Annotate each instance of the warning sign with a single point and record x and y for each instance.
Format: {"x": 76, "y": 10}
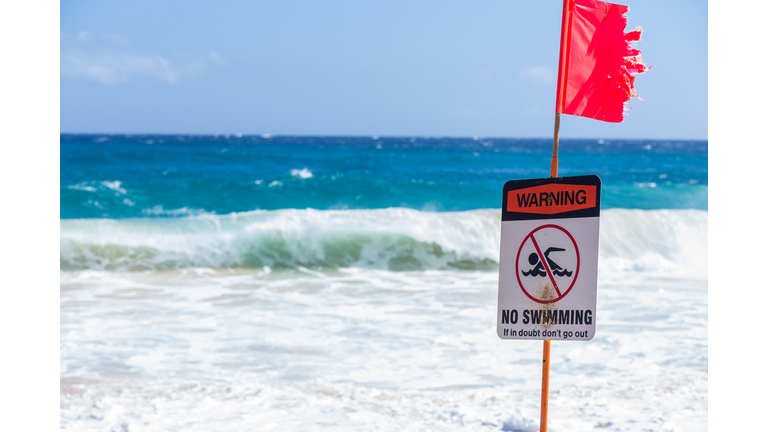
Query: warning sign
{"x": 548, "y": 260}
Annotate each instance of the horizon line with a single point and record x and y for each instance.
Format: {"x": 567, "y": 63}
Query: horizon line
{"x": 368, "y": 136}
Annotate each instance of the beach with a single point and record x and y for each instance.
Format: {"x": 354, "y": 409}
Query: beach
{"x": 348, "y": 283}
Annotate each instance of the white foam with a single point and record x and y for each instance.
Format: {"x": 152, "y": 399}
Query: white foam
{"x": 83, "y": 187}
{"x": 115, "y": 186}
{"x": 158, "y": 210}
{"x": 303, "y": 173}
{"x": 367, "y": 350}
{"x": 665, "y": 241}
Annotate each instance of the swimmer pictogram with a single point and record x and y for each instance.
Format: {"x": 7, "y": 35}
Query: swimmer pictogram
{"x": 539, "y": 270}
{"x": 548, "y": 276}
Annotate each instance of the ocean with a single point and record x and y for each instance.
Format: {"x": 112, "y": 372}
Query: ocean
{"x": 283, "y": 283}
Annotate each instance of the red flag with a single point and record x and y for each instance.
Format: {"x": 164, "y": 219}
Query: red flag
{"x": 597, "y": 60}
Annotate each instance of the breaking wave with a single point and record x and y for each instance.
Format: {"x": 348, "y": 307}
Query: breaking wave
{"x": 392, "y": 239}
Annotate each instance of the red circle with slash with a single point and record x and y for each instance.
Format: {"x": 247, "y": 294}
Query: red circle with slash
{"x": 551, "y": 269}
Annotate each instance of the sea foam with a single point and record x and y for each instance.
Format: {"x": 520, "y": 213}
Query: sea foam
{"x": 388, "y": 239}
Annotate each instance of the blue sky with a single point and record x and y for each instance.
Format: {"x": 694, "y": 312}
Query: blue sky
{"x": 404, "y": 68}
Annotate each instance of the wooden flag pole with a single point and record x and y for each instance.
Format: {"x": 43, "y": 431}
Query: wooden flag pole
{"x": 555, "y": 146}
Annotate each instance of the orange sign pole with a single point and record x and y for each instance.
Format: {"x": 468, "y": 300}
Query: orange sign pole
{"x": 545, "y": 363}
{"x": 553, "y": 173}
{"x": 544, "y": 388}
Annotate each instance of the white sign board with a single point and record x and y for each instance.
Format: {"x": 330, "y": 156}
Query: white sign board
{"x": 548, "y": 260}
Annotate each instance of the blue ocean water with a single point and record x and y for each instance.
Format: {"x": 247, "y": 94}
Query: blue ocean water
{"x": 350, "y": 283}
{"x": 126, "y": 176}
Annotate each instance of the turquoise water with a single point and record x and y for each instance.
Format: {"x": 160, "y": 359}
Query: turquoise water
{"x": 136, "y": 203}
{"x": 122, "y": 176}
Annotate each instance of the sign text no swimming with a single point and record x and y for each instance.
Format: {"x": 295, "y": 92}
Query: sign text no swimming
{"x": 548, "y": 259}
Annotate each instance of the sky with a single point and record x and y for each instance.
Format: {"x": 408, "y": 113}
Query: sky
{"x": 387, "y": 68}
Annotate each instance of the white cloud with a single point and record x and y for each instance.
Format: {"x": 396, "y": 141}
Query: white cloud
{"x": 112, "y": 59}
{"x": 540, "y": 75}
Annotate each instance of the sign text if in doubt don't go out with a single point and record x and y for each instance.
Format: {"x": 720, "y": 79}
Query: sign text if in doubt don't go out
{"x": 548, "y": 260}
